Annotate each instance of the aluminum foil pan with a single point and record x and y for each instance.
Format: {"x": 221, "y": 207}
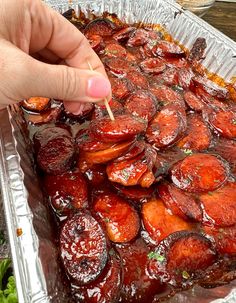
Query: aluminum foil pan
{"x": 34, "y": 250}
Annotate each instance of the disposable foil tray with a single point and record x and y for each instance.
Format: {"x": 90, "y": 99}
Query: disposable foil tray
{"x": 38, "y": 272}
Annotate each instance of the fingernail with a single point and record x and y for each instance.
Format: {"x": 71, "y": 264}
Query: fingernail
{"x": 98, "y": 87}
{"x": 75, "y": 108}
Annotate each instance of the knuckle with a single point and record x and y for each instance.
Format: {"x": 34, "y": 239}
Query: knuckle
{"x": 69, "y": 83}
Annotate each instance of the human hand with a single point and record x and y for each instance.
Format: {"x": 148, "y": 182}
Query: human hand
{"x": 28, "y": 30}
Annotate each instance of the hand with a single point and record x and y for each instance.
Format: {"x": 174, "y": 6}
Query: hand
{"x": 30, "y": 30}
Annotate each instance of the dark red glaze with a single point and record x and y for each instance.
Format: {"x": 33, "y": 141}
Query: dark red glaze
{"x": 142, "y": 104}
{"x": 159, "y": 222}
{"x": 179, "y": 202}
{"x": 101, "y": 27}
{"x": 196, "y": 125}
{"x": 137, "y": 79}
{"x": 182, "y": 258}
{"x": 83, "y": 248}
{"x": 96, "y": 42}
{"x": 55, "y": 150}
{"x": 115, "y": 50}
{"x": 225, "y": 238}
{"x": 119, "y": 66}
{"x": 193, "y": 101}
{"x": 67, "y": 191}
{"x": 199, "y": 173}
{"x": 219, "y": 206}
{"x": 50, "y": 115}
{"x": 211, "y": 87}
{"x": 96, "y": 174}
{"x": 167, "y": 95}
{"x": 106, "y": 288}
{"x": 166, "y": 128}
{"x": 136, "y": 193}
{"x": 197, "y": 50}
{"x": 36, "y": 104}
{"x": 167, "y": 49}
{"x": 124, "y": 127}
{"x": 134, "y": 151}
{"x": 138, "y": 287}
{"x": 121, "y": 88}
{"x": 124, "y": 34}
{"x": 120, "y": 218}
{"x": 138, "y": 38}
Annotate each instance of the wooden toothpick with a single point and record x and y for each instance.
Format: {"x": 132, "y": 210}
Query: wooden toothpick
{"x": 105, "y": 99}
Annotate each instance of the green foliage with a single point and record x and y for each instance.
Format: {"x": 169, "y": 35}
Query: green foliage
{"x": 8, "y": 294}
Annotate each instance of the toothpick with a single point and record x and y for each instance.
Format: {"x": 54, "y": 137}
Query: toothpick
{"x": 105, "y": 99}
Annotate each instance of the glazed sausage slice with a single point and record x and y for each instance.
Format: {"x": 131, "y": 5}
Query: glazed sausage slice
{"x": 133, "y": 152}
{"x": 193, "y": 101}
{"x": 179, "y": 202}
{"x": 224, "y": 121}
{"x": 167, "y": 95}
{"x": 121, "y": 88}
{"x": 153, "y": 66}
{"x": 119, "y": 66}
{"x": 96, "y": 42}
{"x": 115, "y": 50}
{"x": 166, "y": 128}
{"x": 137, "y": 287}
{"x": 169, "y": 77}
{"x": 106, "y": 288}
{"x": 128, "y": 172}
{"x": 100, "y": 26}
{"x": 225, "y": 238}
{"x": 159, "y": 222}
{"x": 106, "y": 155}
{"x": 124, "y": 34}
{"x": 199, "y": 173}
{"x": 47, "y": 116}
{"x": 137, "y": 79}
{"x": 183, "y": 257}
{"x": 83, "y": 248}
{"x": 219, "y": 205}
{"x": 135, "y": 193}
{"x": 196, "y": 125}
{"x": 55, "y": 150}
{"x": 36, "y": 104}
{"x": 121, "y": 219}
{"x": 167, "y": 49}
{"x": 96, "y": 174}
{"x": 124, "y": 127}
{"x": 138, "y": 38}
{"x": 211, "y": 87}
{"x": 67, "y": 191}
{"x": 142, "y": 104}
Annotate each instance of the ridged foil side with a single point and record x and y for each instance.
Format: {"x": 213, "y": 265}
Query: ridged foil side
{"x": 34, "y": 253}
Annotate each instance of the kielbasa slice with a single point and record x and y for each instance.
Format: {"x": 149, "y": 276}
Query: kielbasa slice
{"x": 167, "y": 95}
{"x": 183, "y": 257}
{"x": 193, "y": 101}
{"x": 49, "y": 115}
{"x": 67, "y": 191}
{"x": 36, "y": 104}
{"x": 121, "y": 219}
{"x": 159, "y": 222}
{"x": 199, "y": 173}
{"x": 135, "y": 193}
{"x": 133, "y": 152}
{"x": 166, "y": 127}
{"x": 224, "y": 121}
{"x": 179, "y": 202}
{"x": 153, "y": 66}
{"x": 121, "y": 88}
{"x": 124, "y": 127}
{"x": 115, "y": 50}
{"x": 83, "y": 248}
{"x": 124, "y": 34}
{"x": 96, "y": 42}
{"x": 219, "y": 206}
{"x": 100, "y": 26}
{"x": 196, "y": 125}
{"x": 211, "y": 87}
{"x": 167, "y": 49}
{"x": 119, "y": 66}
{"x": 138, "y": 38}
{"x": 142, "y": 104}
{"x": 137, "y": 79}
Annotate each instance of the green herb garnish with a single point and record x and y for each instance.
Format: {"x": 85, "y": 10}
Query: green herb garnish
{"x": 188, "y": 152}
{"x": 156, "y": 256}
{"x": 185, "y": 275}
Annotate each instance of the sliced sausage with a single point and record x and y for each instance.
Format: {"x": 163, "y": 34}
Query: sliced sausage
{"x": 121, "y": 219}
{"x": 197, "y": 50}
{"x": 147, "y": 179}
{"x": 211, "y": 87}
{"x": 55, "y": 150}
{"x": 142, "y": 104}
{"x": 96, "y": 174}
{"x": 67, "y": 191}
{"x": 179, "y": 202}
{"x": 96, "y": 42}
{"x": 137, "y": 287}
{"x": 183, "y": 257}
{"x": 106, "y": 288}
{"x": 166, "y": 128}
{"x": 167, "y": 49}
{"x": 133, "y": 152}
{"x": 196, "y": 125}
{"x": 153, "y": 66}
{"x": 219, "y": 206}
{"x": 176, "y": 62}
{"x": 115, "y": 50}
{"x": 169, "y": 77}
{"x": 167, "y": 95}
{"x": 101, "y": 111}
{"x": 225, "y": 238}
{"x": 119, "y": 66}
{"x": 128, "y": 172}
{"x": 159, "y": 222}
{"x": 193, "y": 101}
{"x": 124, "y": 127}
{"x": 135, "y": 193}
{"x": 199, "y": 173}
{"x": 138, "y": 38}
{"x": 121, "y": 88}
{"x": 224, "y": 121}
{"x": 137, "y": 79}
{"x": 124, "y": 34}
{"x": 83, "y": 248}
{"x": 106, "y": 155}
{"x": 100, "y": 26}
{"x": 36, "y": 104}
{"x": 48, "y": 116}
